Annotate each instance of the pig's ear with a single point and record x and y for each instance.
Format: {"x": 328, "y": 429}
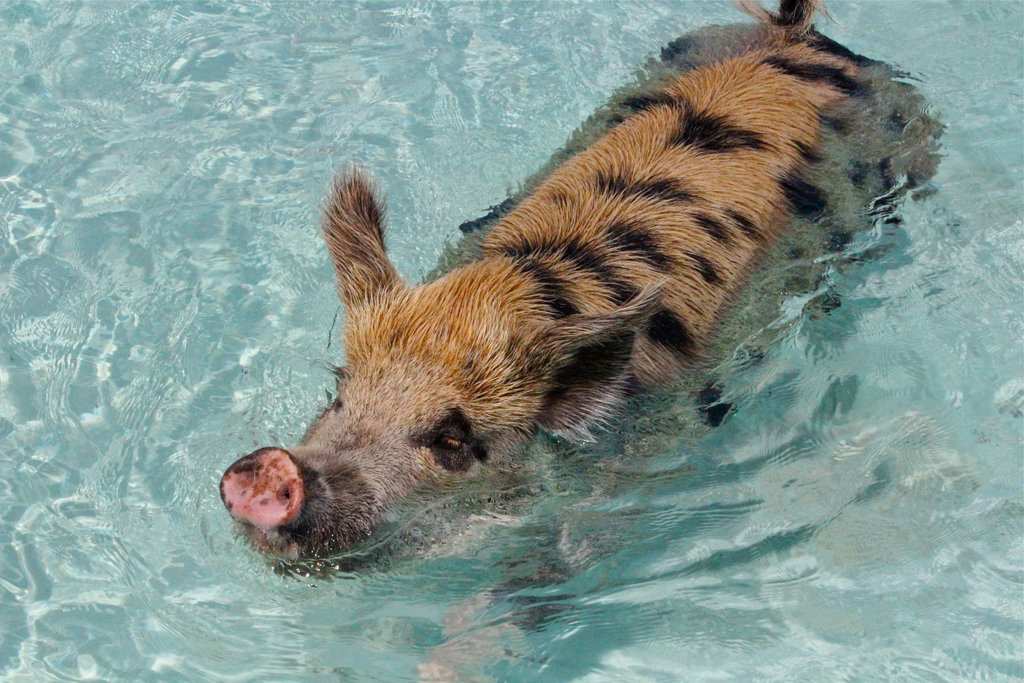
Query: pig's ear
{"x": 353, "y": 227}
{"x": 590, "y": 356}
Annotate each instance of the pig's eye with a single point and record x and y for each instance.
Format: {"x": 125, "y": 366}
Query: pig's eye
{"x": 450, "y": 452}
{"x": 448, "y": 442}
{"x": 452, "y": 442}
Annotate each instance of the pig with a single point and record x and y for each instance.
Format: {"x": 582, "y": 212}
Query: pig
{"x": 608, "y": 279}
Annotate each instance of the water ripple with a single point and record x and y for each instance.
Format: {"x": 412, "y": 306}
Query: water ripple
{"x": 165, "y": 306}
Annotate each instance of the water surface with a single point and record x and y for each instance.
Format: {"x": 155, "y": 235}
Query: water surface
{"x": 165, "y": 306}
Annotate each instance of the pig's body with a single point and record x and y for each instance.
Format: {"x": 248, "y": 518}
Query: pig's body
{"x": 684, "y": 195}
{"x": 609, "y": 277}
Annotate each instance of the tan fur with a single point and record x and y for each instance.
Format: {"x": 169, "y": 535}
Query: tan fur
{"x": 612, "y": 274}
{"x": 462, "y": 333}
{"x": 783, "y": 109}
{"x": 353, "y": 230}
{"x": 478, "y": 334}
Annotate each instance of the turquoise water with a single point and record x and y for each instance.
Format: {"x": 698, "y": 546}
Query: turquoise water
{"x": 166, "y": 306}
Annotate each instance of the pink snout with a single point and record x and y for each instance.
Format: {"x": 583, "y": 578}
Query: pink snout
{"x": 264, "y": 488}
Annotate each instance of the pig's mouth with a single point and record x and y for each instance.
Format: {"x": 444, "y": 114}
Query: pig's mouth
{"x": 291, "y": 511}
{"x": 264, "y": 492}
{"x": 271, "y": 542}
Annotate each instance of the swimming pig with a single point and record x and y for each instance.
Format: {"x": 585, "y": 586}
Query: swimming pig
{"x": 608, "y": 278}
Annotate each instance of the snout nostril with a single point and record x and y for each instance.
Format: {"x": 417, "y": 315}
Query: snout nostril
{"x": 286, "y": 492}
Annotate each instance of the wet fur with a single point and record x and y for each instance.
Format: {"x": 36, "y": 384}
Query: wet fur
{"x": 610, "y": 275}
{"x": 682, "y": 197}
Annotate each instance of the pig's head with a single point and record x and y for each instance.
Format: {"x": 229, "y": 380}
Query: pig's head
{"x": 440, "y": 380}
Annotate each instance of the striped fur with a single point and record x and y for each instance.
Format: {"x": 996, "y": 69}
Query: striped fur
{"x": 730, "y": 140}
{"x": 610, "y": 276}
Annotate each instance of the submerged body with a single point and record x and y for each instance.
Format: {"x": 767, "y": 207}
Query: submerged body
{"x": 609, "y": 277}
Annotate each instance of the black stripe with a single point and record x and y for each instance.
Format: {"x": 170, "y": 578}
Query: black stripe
{"x": 616, "y": 118}
{"x": 822, "y": 73}
{"x": 712, "y": 227}
{"x": 623, "y": 291}
{"x": 677, "y": 47}
{"x": 858, "y": 171}
{"x": 645, "y": 102}
{"x": 807, "y": 153}
{"x": 705, "y": 268}
{"x": 664, "y": 189}
{"x": 635, "y": 239}
{"x": 524, "y": 251}
{"x": 838, "y": 125}
{"x": 582, "y": 257}
{"x": 552, "y": 288}
{"x": 804, "y": 199}
{"x": 745, "y": 225}
{"x": 579, "y": 256}
{"x": 829, "y": 46}
{"x": 666, "y": 329}
{"x": 712, "y": 133}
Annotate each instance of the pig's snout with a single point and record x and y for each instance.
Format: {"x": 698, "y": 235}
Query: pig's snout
{"x": 265, "y": 488}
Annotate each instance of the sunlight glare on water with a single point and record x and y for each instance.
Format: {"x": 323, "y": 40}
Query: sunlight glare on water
{"x": 166, "y": 306}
